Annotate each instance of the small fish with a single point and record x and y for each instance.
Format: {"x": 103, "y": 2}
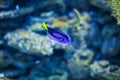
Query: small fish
{"x": 17, "y": 7}
{"x": 57, "y": 35}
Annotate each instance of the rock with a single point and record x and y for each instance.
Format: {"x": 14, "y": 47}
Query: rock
{"x": 29, "y": 42}
{"x": 37, "y": 78}
{"x": 113, "y": 68}
{"x": 56, "y": 65}
{"x": 29, "y": 7}
{"x": 69, "y": 51}
{"x": 5, "y": 59}
{"x": 110, "y": 47}
{"x": 61, "y": 68}
{"x": 75, "y": 4}
{"x": 23, "y": 63}
{"x": 92, "y": 36}
{"x": 13, "y": 73}
{"x": 92, "y": 31}
{"x": 110, "y": 31}
{"x": 23, "y": 78}
{"x": 39, "y": 72}
{"x": 100, "y": 4}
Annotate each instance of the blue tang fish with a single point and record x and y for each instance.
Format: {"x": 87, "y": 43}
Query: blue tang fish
{"x": 56, "y": 35}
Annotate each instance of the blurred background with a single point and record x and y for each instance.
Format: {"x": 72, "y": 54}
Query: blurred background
{"x": 27, "y": 53}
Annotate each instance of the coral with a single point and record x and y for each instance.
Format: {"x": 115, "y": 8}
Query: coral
{"x": 98, "y": 66}
{"x": 36, "y": 27}
{"x": 26, "y": 52}
{"x": 78, "y": 66}
{"x": 105, "y": 73}
{"x": 102, "y": 69}
{"x": 83, "y": 56}
{"x": 78, "y": 71}
{"x": 29, "y": 42}
{"x": 58, "y": 77}
{"x": 62, "y": 22}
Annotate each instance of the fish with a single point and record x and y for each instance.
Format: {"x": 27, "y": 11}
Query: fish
{"x": 17, "y": 7}
{"x": 56, "y": 35}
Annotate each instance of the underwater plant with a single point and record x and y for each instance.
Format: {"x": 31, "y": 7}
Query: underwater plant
{"x": 115, "y": 6}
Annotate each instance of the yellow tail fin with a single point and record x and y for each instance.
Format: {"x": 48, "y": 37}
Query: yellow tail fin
{"x": 44, "y": 26}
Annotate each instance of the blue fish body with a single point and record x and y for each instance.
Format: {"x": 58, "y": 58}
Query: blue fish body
{"x": 58, "y": 36}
